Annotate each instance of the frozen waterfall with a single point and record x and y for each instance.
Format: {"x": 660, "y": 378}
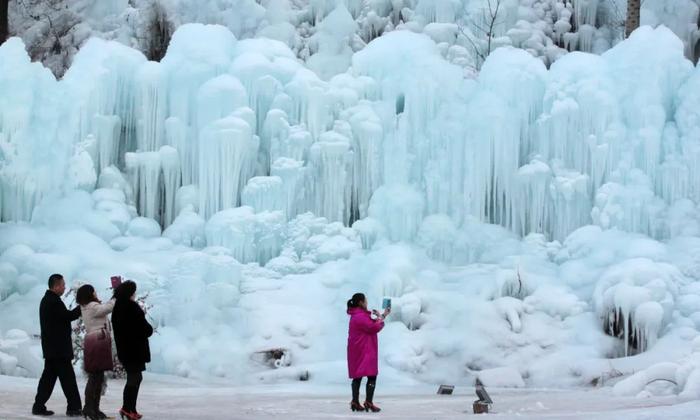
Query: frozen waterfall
{"x": 610, "y": 140}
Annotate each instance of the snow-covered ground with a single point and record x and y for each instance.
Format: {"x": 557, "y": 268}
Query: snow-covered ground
{"x": 170, "y": 398}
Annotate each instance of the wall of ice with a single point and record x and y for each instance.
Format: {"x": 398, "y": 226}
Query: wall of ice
{"x": 534, "y": 209}
{"x": 610, "y": 140}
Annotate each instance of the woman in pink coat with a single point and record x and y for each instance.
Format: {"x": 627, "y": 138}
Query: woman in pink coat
{"x": 363, "y": 349}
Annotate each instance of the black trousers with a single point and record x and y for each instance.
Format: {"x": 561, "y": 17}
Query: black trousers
{"x": 131, "y": 389}
{"x": 93, "y": 392}
{"x": 371, "y": 384}
{"x": 61, "y": 369}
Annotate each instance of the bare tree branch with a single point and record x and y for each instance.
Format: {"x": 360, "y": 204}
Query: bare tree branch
{"x": 490, "y": 15}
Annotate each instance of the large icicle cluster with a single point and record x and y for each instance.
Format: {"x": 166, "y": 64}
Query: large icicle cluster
{"x": 635, "y": 299}
{"x": 610, "y": 140}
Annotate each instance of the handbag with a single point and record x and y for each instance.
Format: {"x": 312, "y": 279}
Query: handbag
{"x": 97, "y": 351}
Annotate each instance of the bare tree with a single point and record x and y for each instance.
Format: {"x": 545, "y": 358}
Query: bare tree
{"x": 158, "y": 33}
{"x": 4, "y": 23}
{"x": 633, "y": 12}
{"x": 481, "y": 38}
{"x": 56, "y": 22}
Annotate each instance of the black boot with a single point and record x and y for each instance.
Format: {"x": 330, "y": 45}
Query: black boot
{"x": 356, "y": 390}
{"x": 96, "y": 398}
{"x": 41, "y": 411}
{"x": 369, "y": 405}
{"x": 92, "y": 392}
{"x": 89, "y": 409}
{"x": 371, "y": 384}
{"x": 356, "y": 406}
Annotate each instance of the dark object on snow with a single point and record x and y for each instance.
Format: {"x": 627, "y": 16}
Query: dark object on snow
{"x": 131, "y": 332}
{"x": 42, "y": 412}
{"x": 93, "y": 395}
{"x": 481, "y": 393}
{"x": 275, "y": 358}
{"x": 482, "y": 404}
{"x": 446, "y": 389}
{"x": 480, "y": 407}
{"x": 55, "y": 320}
{"x": 57, "y": 347}
{"x": 61, "y": 369}
{"x": 400, "y": 103}
{"x": 304, "y": 376}
{"x": 369, "y": 389}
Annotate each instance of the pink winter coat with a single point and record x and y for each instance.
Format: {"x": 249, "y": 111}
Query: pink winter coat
{"x": 363, "y": 347}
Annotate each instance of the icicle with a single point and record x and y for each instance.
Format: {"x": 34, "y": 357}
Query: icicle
{"x": 218, "y": 98}
{"x": 437, "y": 235}
{"x": 292, "y": 173}
{"x": 152, "y": 102}
{"x": 369, "y": 230}
{"x": 177, "y": 135}
{"x": 19, "y": 196}
{"x": 331, "y": 159}
{"x": 585, "y": 12}
{"x": 569, "y": 193}
{"x": 399, "y": 208}
{"x": 144, "y": 169}
{"x": 262, "y": 94}
{"x": 251, "y": 237}
{"x": 107, "y": 130}
{"x": 367, "y": 171}
{"x": 264, "y": 193}
{"x": 533, "y": 207}
{"x": 310, "y": 103}
{"x": 586, "y": 36}
{"x": 170, "y": 163}
{"x": 227, "y": 159}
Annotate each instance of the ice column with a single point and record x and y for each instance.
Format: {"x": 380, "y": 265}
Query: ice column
{"x": 227, "y": 158}
{"x": 533, "y": 203}
{"x": 367, "y": 141}
{"x": 331, "y": 159}
{"x": 170, "y": 163}
{"x": 107, "y": 132}
{"x": 309, "y": 103}
{"x": 178, "y": 135}
{"x": 264, "y": 193}
{"x": 152, "y": 103}
{"x": 292, "y": 173}
{"x": 144, "y": 170}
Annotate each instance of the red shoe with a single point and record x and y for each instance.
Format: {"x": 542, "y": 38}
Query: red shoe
{"x": 356, "y": 406}
{"x": 131, "y": 415}
{"x": 371, "y": 407}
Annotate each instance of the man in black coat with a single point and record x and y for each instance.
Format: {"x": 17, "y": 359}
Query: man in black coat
{"x": 57, "y": 346}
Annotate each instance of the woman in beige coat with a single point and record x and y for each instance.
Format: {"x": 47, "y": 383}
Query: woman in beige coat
{"x": 94, "y": 314}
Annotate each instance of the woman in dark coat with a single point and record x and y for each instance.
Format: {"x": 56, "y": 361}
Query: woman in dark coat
{"x": 131, "y": 332}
